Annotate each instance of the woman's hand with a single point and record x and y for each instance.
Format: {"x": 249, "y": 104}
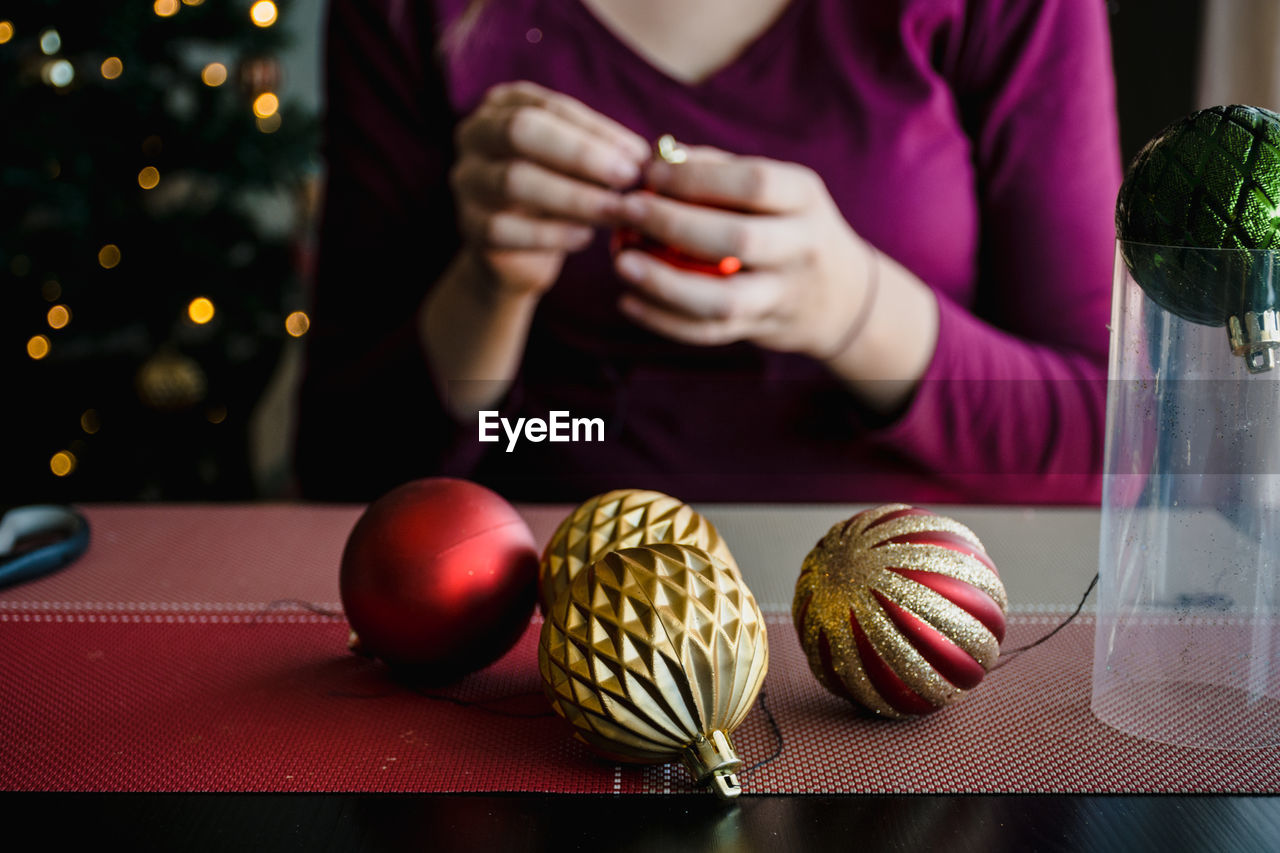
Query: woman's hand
{"x": 536, "y": 171}
{"x": 805, "y": 278}
{"x": 808, "y": 283}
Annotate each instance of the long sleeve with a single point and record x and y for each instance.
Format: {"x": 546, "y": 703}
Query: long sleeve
{"x": 982, "y": 155}
{"x": 1013, "y": 401}
{"x": 369, "y": 413}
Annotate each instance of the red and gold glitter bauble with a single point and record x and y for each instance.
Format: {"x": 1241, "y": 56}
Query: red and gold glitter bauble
{"x": 900, "y": 610}
{"x": 622, "y": 518}
{"x": 438, "y": 578}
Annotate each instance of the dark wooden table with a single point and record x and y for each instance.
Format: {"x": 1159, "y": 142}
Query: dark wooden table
{"x": 525, "y": 822}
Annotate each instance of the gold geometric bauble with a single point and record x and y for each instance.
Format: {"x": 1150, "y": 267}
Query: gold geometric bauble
{"x": 656, "y": 653}
{"x": 623, "y": 518}
{"x": 899, "y": 610}
{"x": 170, "y": 381}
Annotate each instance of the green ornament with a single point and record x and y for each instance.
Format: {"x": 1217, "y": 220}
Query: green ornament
{"x": 1198, "y": 217}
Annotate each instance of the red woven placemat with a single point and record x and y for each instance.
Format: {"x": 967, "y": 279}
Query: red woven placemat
{"x": 113, "y": 677}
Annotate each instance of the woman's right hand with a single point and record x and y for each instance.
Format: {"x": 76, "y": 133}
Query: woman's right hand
{"x": 536, "y": 171}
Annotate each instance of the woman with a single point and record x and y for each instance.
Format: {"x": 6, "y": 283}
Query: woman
{"x": 920, "y": 194}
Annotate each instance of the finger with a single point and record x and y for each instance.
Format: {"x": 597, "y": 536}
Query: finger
{"x": 688, "y": 153}
{"x": 505, "y": 229}
{"x": 754, "y": 184}
{"x": 742, "y": 299}
{"x": 505, "y": 102}
{"x": 526, "y": 93}
{"x": 537, "y": 134}
{"x": 758, "y": 240}
{"x": 500, "y": 183}
{"x": 698, "y": 152}
{"x": 677, "y": 326}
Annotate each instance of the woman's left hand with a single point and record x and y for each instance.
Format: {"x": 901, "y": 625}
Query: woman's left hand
{"x": 805, "y": 277}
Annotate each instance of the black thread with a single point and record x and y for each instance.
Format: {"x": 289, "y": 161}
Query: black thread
{"x": 777, "y": 736}
{"x": 484, "y": 705}
{"x": 419, "y": 691}
{"x": 295, "y": 602}
{"x": 1006, "y": 656}
{"x": 479, "y": 705}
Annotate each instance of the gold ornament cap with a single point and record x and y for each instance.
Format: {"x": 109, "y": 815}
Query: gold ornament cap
{"x": 712, "y": 760}
{"x": 670, "y": 151}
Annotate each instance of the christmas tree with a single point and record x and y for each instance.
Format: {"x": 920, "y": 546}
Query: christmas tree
{"x": 154, "y": 197}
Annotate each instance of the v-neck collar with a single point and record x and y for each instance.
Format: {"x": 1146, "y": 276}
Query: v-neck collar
{"x": 758, "y": 49}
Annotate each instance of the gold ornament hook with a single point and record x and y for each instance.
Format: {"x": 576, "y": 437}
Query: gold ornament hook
{"x": 713, "y": 760}
{"x": 670, "y": 150}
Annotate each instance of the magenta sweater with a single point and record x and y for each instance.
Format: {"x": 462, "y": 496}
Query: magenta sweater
{"x": 974, "y": 141}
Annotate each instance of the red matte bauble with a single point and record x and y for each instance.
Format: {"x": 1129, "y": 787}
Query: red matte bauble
{"x": 628, "y": 238}
{"x": 439, "y": 578}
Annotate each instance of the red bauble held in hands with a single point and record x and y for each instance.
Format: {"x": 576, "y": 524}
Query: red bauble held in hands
{"x": 629, "y": 238}
{"x": 439, "y": 579}
{"x": 669, "y": 150}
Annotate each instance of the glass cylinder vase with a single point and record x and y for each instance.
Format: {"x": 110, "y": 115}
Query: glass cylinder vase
{"x": 1187, "y": 649}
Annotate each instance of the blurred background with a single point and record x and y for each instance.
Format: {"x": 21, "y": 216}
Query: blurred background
{"x": 160, "y": 180}
{"x": 160, "y": 174}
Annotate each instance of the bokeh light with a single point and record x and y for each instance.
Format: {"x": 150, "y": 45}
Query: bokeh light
{"x": 51, "y": 290}
{"x": 200, "y": 310}
{"x": 112, "y": 67}
{"x": 263, "y": 13}
{"x": 90, "y": 421}
{"x": 214, "y": 74}
{"x": 59, "y": 73}
{"x": 270, "y": 124}
{"x": 38, "y": 346}
{"x": 297, "y": 323}
{"x": 149, "y": 178}
{"x": 50, "y": 42}
{"x": 166, "y": 8}
{"x": 266, "y": 105}
{"x": 6, "y": 31}
{"x": 109, "y": 256}
{"x": 216, "y": 415}
{"x": 59, "y": 316}
{"x": 62, "y": 463}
